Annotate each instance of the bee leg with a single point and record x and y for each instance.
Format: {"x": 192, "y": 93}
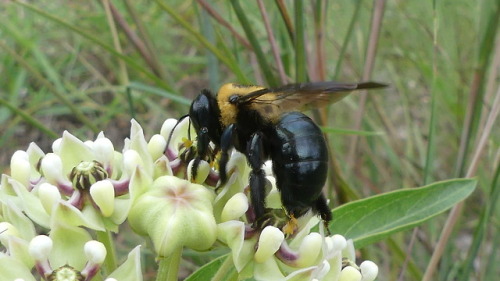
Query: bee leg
{"x": 226, "y": 143}
{"x": 322, "y": 208}
{"x": 256, "y": 158}
{"x": 202, "y": 149}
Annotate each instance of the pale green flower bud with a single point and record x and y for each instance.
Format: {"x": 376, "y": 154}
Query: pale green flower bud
{"x": 20, "y": 167}
{"x": 270, "y": 241}
{"x": 369, "y": 270}
{"x": 49, "y": 196}
{"x": 131, "y": 159}
{"x": 56, "y": 146}
{"x": 310, "y": 249}
{"x": 40, "y": 247}
{"x": 235, "y": 207}
{"x": 103, "y": 150}
{"x": 156, "y": 146}
{"x": 335, "y": 244}
{"x": 52, "y": 169}
{"x": 175, "y": 213}
{"x": 95, "y": 252}
{"x": 103, "y": 194}
{"x": 350, "y": 273}
{"x": 202, "y": 173}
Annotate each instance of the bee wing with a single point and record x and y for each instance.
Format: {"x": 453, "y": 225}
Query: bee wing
{"x": 301, "y": 96}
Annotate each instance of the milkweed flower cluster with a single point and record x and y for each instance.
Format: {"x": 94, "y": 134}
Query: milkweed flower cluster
{"x": 82, "y": 188}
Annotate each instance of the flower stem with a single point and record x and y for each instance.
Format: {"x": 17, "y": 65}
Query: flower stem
{"x": 226, "y": 271}
{"x": 169, "y": 266}
{"x": 106, "y": 238}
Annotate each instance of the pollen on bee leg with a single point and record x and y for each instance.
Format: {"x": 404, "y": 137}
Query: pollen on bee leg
{"x": 290, "y": 226}
{"x": 187, "y": 142}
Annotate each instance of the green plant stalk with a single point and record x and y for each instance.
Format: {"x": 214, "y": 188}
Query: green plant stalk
{"x": 300, "y": 52}
{"x": 44, "y": 82}
{"x": 29, "y": 119}
{"x": 123, "y": 75}
{"x": 95, "y": 40}
{"x": 480, "y": 231}
{"x": 223, "y": 57}
{"x": 207, "y": 30}
{"x": 150, "y": 52}
{"x": 106, "y": 238}
{"x": 259, "y": 53}
{"x": 168, "y": 268}
{"x": 286, "y": 19}
{"x": 473, "y": 117}
{"x": 347, "y": 39}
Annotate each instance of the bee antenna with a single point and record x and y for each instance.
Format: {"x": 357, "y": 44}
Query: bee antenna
{"x": 175, "y": 126}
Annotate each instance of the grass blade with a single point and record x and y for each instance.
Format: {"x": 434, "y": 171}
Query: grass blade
{"x": 259, "y": 53}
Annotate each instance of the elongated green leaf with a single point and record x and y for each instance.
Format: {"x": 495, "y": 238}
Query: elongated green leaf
{"x": 374, "y": 218}
{"x": 159, "y": 92}
{"x": 207, "y": 271}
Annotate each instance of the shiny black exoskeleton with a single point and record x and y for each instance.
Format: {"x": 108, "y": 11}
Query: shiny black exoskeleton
{"x": 262, "y": 124}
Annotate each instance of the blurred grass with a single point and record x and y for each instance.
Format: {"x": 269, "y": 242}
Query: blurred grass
{"x": 62, "y": 68}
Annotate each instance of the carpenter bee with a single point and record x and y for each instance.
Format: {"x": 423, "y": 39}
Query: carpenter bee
{"x": 263, "y": 124}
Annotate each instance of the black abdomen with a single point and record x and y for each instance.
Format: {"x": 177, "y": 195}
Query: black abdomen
{"x": 300, "y": 160}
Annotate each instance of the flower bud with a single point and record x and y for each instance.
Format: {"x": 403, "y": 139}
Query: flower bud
{"x": 131, "y": 159}
{"x": 40, "y": 247}
{"x": 175, "y": 213}
{"x": 20, "y": 167}
{"x": 95, "y": 252}
{"x": 235, "y": 207}
{"x": 103, "y": 194}
{"x": 309, "y": 250}
{"x": 56, "y": 146}
{"x": 269, "y": 242}
{"x": 350, "y": 273}
{"x": 49, "y": 196}
{"x": 52, "y": 168}
{"x": 156, "y": 146}
{"x": 202, "y": 172}
{"x": 369, "y": 270}
{"x": 334, "y": 244}
{"x": 103, "y": 150}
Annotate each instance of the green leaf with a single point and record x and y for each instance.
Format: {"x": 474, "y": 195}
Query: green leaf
{"x": 159, "y": 92}
{"x": 375, "y": 218}
{"x": 207, "y": 271}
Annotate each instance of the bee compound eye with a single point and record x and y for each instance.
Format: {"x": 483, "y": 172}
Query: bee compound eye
{"x": 233, "y": 99}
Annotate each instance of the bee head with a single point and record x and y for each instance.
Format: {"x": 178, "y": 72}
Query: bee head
{"x": 228, "y": 99}
{"x": 205, "y": 115}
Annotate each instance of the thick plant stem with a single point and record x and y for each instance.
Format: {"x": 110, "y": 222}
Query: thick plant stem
{"x": 169, "y": 266}
{"x": 105, "y": 237}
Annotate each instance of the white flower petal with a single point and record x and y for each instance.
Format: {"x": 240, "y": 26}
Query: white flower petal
{"x": 235, "y": 207}
{"x": 369, "y": 270}
{"x": 350, "y": 273}
{"x": 95, "y": 252}
{"x": 269, "y": 242}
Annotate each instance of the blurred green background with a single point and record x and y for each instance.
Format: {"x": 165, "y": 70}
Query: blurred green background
{"x": 90, "y": 66}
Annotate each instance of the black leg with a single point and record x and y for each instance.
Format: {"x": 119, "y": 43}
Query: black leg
{"x": 226, "y": 143}
{"x": 321, "y": 207}
{"x": 202, "y": 150}
{"x": 256, "y": 158}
